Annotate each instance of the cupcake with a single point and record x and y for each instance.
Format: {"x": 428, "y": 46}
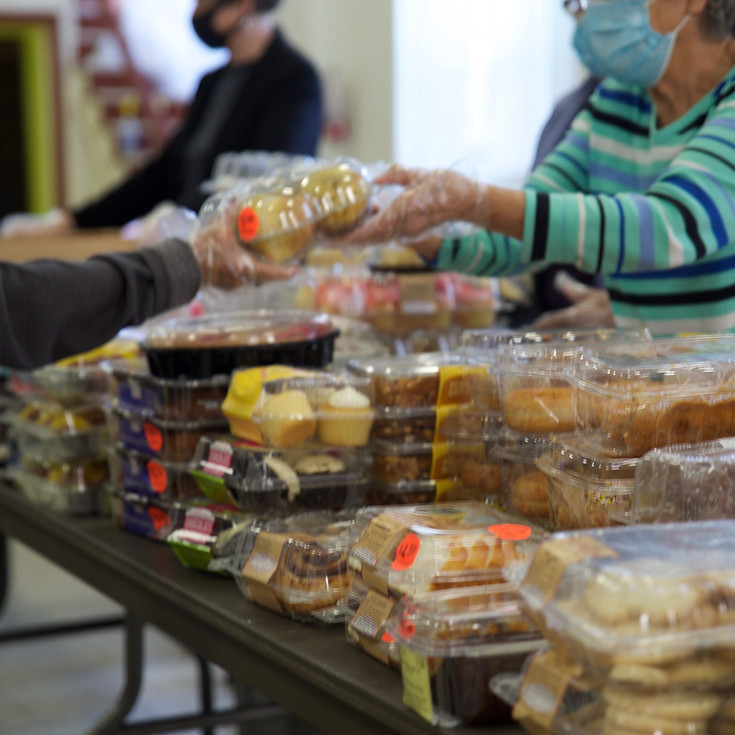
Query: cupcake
{"x": 346, "y": 419}
{"x": 286, "y": 419}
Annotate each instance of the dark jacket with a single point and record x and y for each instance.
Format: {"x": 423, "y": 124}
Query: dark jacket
{"x": 279, "y": 109}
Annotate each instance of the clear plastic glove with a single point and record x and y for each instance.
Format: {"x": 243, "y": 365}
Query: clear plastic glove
{"x": 53, "y": 222}
{"x": 164, "y": 221}
{"x": 429, "y": 198}
{"x": 590, "y": 308}
{"x": 224, "y": 263}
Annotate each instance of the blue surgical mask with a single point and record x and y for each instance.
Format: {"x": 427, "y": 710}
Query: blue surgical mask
{"x": 614, "y": 38}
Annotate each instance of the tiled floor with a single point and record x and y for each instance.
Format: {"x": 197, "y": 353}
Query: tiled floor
{"x": 63, "y": 685}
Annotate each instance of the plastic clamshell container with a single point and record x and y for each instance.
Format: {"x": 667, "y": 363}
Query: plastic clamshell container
{"x": 535, "y": 392}
{"x": 170, "y": 441}
{"x": 276, "y": 219}
{"x": 297, "y": 566}
{"x": 340, "y": 190}
{"x": 180, "y": 399}
{"x": 147, "y": 517}
{"x": 217, "y": 344}
{"x": 395, "y": 462}
{"x": 586, "y": 489}
{"x": 452, "y": 643}
{"x": 328, "y": 409}
{"x": 231, "y": 167}
{"x": 476, "y": 470}
{"x": 412, "y": 549}
{"x": 270, "y": 481}
{"x": 632, "y": 398}
{"x": 647, "y": 606}
{"x": 67, "y": 385}
{"x": 140, "y": 474}
{"x": 72, "y": 488}
{"x": 406, "y": 492}
{"x": 201, "y": 531}
{"x": 685, "y": 482}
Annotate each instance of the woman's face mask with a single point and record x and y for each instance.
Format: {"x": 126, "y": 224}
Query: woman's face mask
{"x": 202, "y": 23}
{"x": 614, "y": 38}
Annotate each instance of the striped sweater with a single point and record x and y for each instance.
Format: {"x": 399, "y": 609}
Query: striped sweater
{"x": 651, "y": 209}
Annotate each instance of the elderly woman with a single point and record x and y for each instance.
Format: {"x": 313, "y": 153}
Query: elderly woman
{"x": 642, "y": 189}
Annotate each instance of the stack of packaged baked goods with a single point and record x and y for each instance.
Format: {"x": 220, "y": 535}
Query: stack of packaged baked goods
{"x": 429, "y": 595}
{"x": 424, "y": 405}
{"x": 642, "y": 624}
{"x": 60, "y": 432}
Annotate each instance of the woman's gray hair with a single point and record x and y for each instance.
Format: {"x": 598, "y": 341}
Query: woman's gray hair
{"x": 719, "y": 18}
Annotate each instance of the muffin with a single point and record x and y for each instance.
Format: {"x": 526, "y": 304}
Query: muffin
{"x": 286, "y": 419}
{"x": 346, "y": 418}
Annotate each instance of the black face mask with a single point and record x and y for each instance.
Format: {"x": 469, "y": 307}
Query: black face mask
{"x": 203, "y": 27}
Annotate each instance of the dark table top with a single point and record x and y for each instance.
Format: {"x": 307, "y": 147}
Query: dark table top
{"x": 310, "y": 670}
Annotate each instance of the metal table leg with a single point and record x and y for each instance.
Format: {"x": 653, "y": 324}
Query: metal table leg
{"x": 4, "y": 571}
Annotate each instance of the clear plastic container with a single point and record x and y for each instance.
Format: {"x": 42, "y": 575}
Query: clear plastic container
{"x": 632, "y": 398}
{"x": 329, "y": 409}
{"x": 297, "y": 566}
{"x": 406, "y": 492}
{"x": 170, "y": 441}
{"x": 647, "y": 606}
{"x": 685, "y": 482}
{"x": 147, "y": 517}
{"x": 217, "y": 344}
{"x": 410, "y": 462}
{"x": 140, "y": 474}
{"x": 341, "y": 191}
{"x": 477, "y": 301}
{"x": 452, "y": 643}
{"x": 181, "y": 399}
{"x": 585, "y": 488}
{"x": 411, "y": 549}
{"x": 477, "y": 471}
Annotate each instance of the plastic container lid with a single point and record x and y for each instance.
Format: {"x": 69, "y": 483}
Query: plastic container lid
{"x": 515, "y": 447}
{"x": 575, "y": 458}
{"x": 411, "y": 549}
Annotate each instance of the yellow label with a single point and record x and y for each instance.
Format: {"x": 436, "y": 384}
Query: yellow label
{"x": 455, "y": 383}
{"x": 442, "y": 489}
{"x": 377, "y": 538}
{"x": 374, "y": 610}
{"x": 442, "y": 462}
{"x": 416, "y": 684}
{"x": 260, "y": 567}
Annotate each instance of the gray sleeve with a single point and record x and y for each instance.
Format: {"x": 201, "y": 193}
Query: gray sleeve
{"x": 50, "y": 309}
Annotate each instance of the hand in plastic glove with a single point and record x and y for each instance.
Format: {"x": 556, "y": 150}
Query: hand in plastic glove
{"x": 224, "y": 263}
{"x": 53, "y": 222}
{"x": 429, "y": 198}
{"x": 590, "y": 307}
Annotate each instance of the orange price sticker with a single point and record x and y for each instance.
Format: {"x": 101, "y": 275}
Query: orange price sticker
{"x": 153, "y": 436}
{"x": 247, "y": 223}
{"x": 388, "y": 638}
{"x": 406, "y": 552}
{"x": 159, "y": 518}
{"x": 157, "y": 476}
{"x": 510, "y": 531}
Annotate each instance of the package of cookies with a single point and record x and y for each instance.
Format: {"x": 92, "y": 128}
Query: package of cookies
{"x": 140, "y": 474}
{"x": 641, "y": 607}
{"x": 197, "y": 347}
{"x": 685, "y": 482}
{"x": 143, "y": 516}
{"x": 476, "y": 471}
{"x": 632, "y": 398}
{"x": 297, "y": 566}
{"x": 586, "y": 489}
{"x": 452, "y": 643}
{"x": 395, "y": 462}
{"x": 410, "y": 549}
{"x": 201, "y": 531}
{"x": 180, "y": 399}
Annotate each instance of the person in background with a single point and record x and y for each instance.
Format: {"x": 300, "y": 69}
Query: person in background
{"x": 268, "y": 97}
{"x": 642, "y": 189}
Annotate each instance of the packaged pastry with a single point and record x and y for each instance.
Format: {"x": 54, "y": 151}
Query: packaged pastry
{"x": 297, "y": 566}
{"x": 477, "y": 301}
{"x": 147, "y": 517}
{"x": 366, "y": 626}
{"x": 586, "y": 489}
{"x": 201, "y": 531}
{"x": 341, "y": 191}
{"x": 290, "y": 410}
{"x": 406, "y": 492}
{"x": 641, "y": 607}
{"x": 140, "y": 474}
{"x": 425, "y": 380}
{"x": 452, "y": 643}
{"x": 74, "y": 488}
{"x": 170, "y": 441}
{"x": 180, "y": 399}
{"x": 685, "y": 482}
{"x": 270, "y": 481}
{"x": 632, "y": 398}
{"x": 411, "y": 549}
{"x": 476, "y": 470}
{"x": 408, "y": 462}
{"x": 217, "y": 344}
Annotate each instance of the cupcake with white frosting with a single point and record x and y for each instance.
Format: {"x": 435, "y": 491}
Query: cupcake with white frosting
{"x": 346, "y": 418}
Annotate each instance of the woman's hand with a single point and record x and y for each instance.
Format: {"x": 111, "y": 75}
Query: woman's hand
{"x": 590, "y": 306}
{"x": 429, "y": 198}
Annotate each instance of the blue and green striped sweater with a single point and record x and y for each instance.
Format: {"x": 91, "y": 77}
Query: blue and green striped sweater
{"x": 652, "y": 209}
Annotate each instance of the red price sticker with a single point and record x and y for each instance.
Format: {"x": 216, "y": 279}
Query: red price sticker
{"x": 158, "y": 517}
{"x": 388, "y": 638}
{"x": 406, "y": 552}
{"x": 157, "y": 476}
{"x": 153, "y": 436}
{"x": 510, "y": 531}
{"x": 247, "y": 223}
